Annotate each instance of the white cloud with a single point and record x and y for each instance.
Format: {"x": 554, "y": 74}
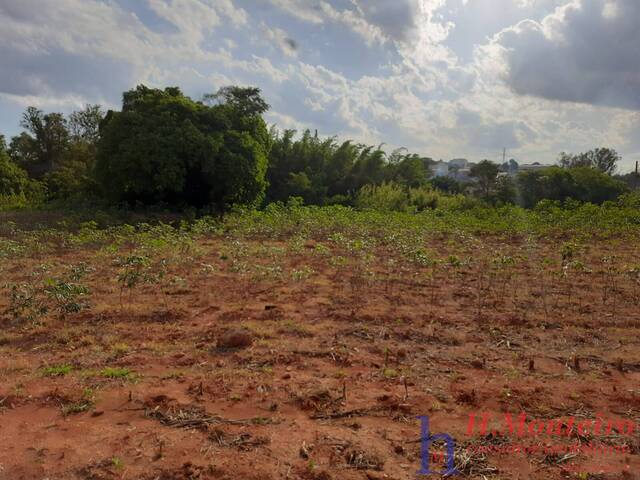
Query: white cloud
{"x": 586, "y": 51}
{"x": 280, "y": 40}
{"x": 394, "y": 77}
{"x": 301, "y": 9}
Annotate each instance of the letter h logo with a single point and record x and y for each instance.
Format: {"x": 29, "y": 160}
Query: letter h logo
{"x": 426, "y": 439}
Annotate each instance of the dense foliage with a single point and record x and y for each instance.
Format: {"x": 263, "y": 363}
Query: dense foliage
{"x": 165, "y": 149}
{"x": 323, "y": 171}
{"x": 583, "y": 184}
{"x": 16, "y": 189}
{"x": 58, "y": 154}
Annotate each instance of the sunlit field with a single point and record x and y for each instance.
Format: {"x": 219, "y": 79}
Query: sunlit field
{"x": 303, "y": 342}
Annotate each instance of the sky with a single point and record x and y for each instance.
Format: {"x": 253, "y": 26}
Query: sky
{"x": 443, "y": 78}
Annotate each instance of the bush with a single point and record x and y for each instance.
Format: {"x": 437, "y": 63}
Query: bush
{"x": 584, "y": 184}
{"x": 16, "y": 189}
{"x": 630, "y": 200}
{"x": 385, "y": 197}
{"x": 393, "y": 197}
{"x": 447, "y": 184}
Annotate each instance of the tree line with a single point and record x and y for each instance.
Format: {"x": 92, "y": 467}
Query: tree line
{"x": 164, "y": 148}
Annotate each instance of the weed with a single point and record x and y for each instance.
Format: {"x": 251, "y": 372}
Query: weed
{"x": 57, "y": 371}
{"x": 76, "y": 407}
{"x": 132, "y": 273}
{"x": 26, "y": 303}
{"x": 79, "y": 271}
{"x": 120, "y": 349}
{"x": 301, "y": 274}
{"x": 117, "y": 373}
{"x": 390, "y": 373}
{"x": 83, "y": 404}
{"x": 67, "y": 297}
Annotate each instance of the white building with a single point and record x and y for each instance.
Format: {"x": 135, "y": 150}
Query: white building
{"x": 531, "y": 167}
{"x": 440, "y": 169}
{"x": 459, "y": 163}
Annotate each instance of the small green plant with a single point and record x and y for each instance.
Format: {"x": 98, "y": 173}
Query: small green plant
{"x": 85, "y": 403}
{"x": 116, "y": 373}
{"x": 76, "y": 407}
{"x": 120, "y": 349}
{"x": 568, "y": 251}
{"x": 132, "y": 273}
{"x": 454, "y": 261}
{"x": 301, "y": 274}
{"x": 26, "y": 303}
{"x": 79, "y": 271}
{"x": 311, "y": 465}
{"x": 67, "y": 297}
{"x": 390, "y": 373}
{"x": 57, "y": 371}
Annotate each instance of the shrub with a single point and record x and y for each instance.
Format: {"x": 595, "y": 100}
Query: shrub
{"x": 385, "y": 197}
{"x": 584, "y": 184}
{"x": 16, "y": 189}
{"x": 393, "y": 197}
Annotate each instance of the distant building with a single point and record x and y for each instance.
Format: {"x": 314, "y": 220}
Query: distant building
{"x": 440, "y": 169}
{"x": 461, "y": 174}
{"x": 532, "y": 167}
{"x": 459, "y": 163}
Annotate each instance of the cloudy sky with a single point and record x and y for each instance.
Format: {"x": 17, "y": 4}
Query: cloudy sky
{"x": 444, "y": 78}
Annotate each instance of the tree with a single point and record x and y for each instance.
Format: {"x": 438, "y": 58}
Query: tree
{"x": 596, "y": 186}
{"x": 84, "y": 125}
{"x": 163, "y": 147}
{"x": 41, "y": 148}
{"x": 485, "y": 174}
{"x": 323, "y": 171}
{"x": 603, "y": 159}
{"x": 369, "y": 167}
{"x": 505, "y": 190}
{"x": 14, "y": 181}
{"x": 411, "y": 170}
{"x": 247, "y": 100}
{"x": 447, "y": 184}
{"x": 510, "y": 167}
{"x": 632, "y": 180}
{"x": 72, "y": 177}
{"x": 339, "y": 167}
{"x": 305, "y": 167}
{"x": 584, "y": 184}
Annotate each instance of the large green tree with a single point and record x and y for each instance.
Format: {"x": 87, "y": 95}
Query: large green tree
{"x": 603, "y": 159}
{"x": 14, "y": 181}
{"x": 486, "y": 174}
{"x": 585, "y": 184}
{"x": 324, "y": 171}
{"x": 84, "y": 125}
{"x": 72, "y": 177}
{"x": 164, "y": 147}
{"x": 43, "y": 144}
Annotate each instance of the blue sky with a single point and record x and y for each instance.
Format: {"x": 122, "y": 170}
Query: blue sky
{"x": 444, "y": 78}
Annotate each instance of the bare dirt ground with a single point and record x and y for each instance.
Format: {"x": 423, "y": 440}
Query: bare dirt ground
{"x": 348, "y": 345}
